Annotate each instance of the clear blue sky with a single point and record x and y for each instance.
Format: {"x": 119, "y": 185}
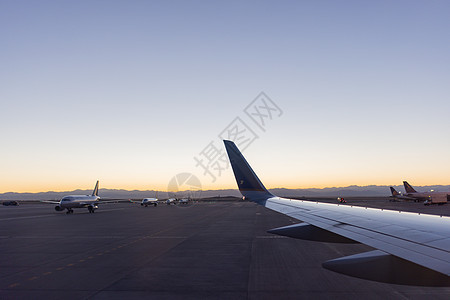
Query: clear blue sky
{"x": 129, "y": 92}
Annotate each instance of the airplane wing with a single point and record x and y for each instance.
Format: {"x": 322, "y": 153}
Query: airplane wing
{"x": 412, "y": 248}
{"x": 137, "y": 201}
{"x": 49, "y": 201}
{"x": 101, "y": 201}
{"x": 112, "y": 200}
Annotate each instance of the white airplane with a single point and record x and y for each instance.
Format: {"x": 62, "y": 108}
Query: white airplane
{"x": 79, "y": 201}
{"x": 149, "y": 201}
{"x": 429, "y": 197}
{"x": 171, "y": 201}
{"x": 184, "y": 201}
{"x": 412, "y": 248}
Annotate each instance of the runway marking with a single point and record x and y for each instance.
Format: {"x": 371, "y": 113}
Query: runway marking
{"x": 167, "y": 237}
{"x": 60, "y": 268}
{"x": 59, "y": 237}
{"x": 82, "y": 260}
{"x": 69, "y": 265}
{"x": 13, "y": 285}
{"x": 46, "y": 273}
{"x": 112, "y": 237}
{"x": 271, "y": 237}
{"x": 112, "y": 209}
{"x": 53, "y": 215}
{"x": 33, "y": 278}
{"x": 29, "y": 217}
{"x": 90, "y": 257}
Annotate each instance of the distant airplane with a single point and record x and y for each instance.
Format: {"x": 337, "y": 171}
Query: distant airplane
{"x": 79, "y": 201}
{"x": 171, "y": 201}
{"x": 428, "y": 197}
{"x": 184, "y": 200}
{"x": 149, "y": 201}
{"x": 413, "y": 249}
{"x": 398, "y": 196}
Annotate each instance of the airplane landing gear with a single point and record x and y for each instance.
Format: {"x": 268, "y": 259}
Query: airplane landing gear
{"x": 91, "y": 209}
{"x": 69, "y": 211}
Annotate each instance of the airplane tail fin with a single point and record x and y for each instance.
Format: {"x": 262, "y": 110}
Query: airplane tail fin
{"x": 248, "y": 183}
{"x": 408, "y": 187}
{"x": 394, "y": 192}
{"x": 95, "y": 191}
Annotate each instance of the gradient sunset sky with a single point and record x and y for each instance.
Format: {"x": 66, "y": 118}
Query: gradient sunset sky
{"x": 133, "y": 92}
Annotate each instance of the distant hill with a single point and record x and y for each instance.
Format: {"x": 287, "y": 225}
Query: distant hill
{"x": 349, "y": 191}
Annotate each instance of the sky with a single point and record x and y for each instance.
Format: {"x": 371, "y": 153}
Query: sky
{"x": 134, "y": 93}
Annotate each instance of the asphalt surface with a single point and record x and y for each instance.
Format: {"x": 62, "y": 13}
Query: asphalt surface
{"x": 199, "y": 251}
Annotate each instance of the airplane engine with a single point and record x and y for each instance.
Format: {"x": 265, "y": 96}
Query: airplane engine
{"x": 59, "y": 208}
{"x": 91, "y": 208}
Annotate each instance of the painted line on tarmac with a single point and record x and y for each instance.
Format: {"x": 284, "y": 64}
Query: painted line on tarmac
{"x": 43, "y": 216}
{"x": 58, "y": 237}
{"x": 29, "y": 217}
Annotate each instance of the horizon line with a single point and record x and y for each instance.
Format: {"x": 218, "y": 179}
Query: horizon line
{"x": 222, "y": 189}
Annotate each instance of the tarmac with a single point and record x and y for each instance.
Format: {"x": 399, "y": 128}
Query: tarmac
{"x": 214, "y": 250}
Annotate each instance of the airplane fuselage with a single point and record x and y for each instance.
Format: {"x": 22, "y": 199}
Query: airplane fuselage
{"x": 405, "y": 197}
{"x": 149, "y": 201}
{"x": 424, "y": 195}
{"x": 78, "y": 201}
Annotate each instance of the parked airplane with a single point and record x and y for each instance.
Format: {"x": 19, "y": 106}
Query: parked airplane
{"x": 398, "y": 196}
{"x": 428, "y": 197}
{"x": 171, "y": 201}
{"x": 184, "y": 201}
{"x": 79, "y": 201}
{"x": 149, "y": 201}
{"x": 413, "y": 249}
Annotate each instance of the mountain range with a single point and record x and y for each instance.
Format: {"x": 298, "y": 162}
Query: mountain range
{"x": 349, "y": 191}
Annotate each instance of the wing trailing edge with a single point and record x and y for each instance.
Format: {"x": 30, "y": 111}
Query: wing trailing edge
{"x": 380, "y": 266}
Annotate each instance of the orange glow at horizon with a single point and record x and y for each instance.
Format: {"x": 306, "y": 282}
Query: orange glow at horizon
{"x": 313, "y": 181}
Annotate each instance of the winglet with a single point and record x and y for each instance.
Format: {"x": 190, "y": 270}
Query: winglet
{"x": 408, "y": 187}
{"x": 95, "y": 191}
{"x": 248, "y": 183}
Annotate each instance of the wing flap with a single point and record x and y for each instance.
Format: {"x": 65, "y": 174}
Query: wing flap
{"x": 380, "y": 266}
{"x": 309, "y": 232}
